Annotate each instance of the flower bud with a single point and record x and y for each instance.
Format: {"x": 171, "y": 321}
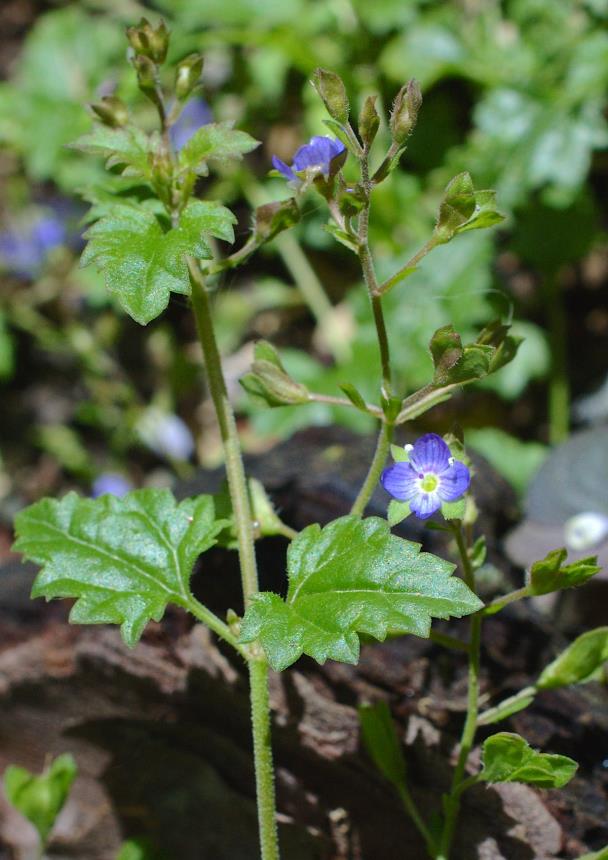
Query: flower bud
{"x": 405, "y": 111}
{"x": 146, "y": 73}
{"x": 369, "y": 121}
{"x": 331, "y": 88}
{"x": 269, "y": 381}
{"x": 148, "y": 41}
{"x": 112, "y": 111}
{"x": 188, "y": 75}
{"x": 273, "y": 218}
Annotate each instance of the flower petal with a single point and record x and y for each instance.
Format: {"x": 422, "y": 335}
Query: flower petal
{"x": 453, "y": 482}
{"x": 283, "y": 168}
{"x": 430, "y": 454}
{"x": 400, "y": 481}
{"x": 424, "y": 504}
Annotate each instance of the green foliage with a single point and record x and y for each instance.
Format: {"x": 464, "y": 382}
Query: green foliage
{"x": 509, "y": 758}
{"x": 215, "y": 142}
{"x": 551, "y": 574}
{"x": 602, "y": 854}
{"x": 582, "y": 661}
{"x": 353, "y": 577}
{"x": 458, "y": 364}
{"x": 123, "y": 559}
{"x": 138, "y": 849}
{"x": 143, "y": 261}
{"x": 381, "y": 741}
{"x": 517, "y": 461}
{"x": 129, "y": 149}
{"x": 463, "y": 209}
{"x": 41, "y": 797}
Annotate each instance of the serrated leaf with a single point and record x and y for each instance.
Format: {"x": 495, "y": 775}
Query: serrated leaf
{"x": 124, "y": 559}
{"x": 397, "y": 512}
{"x": 128, "y": 148}
{"x": 217, "y": 142}
{"x": 351, "y": 577}
{"x": 381, "y": 741}
{"x": 551, "y": 574}
{"x": 582, "y": 661}
{"x": 41, "y": 797}
{"x": 508, "y": 757}
{"x": 142, "y": 262}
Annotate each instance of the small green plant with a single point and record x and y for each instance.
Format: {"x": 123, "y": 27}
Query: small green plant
{"x": 41, "y": 797}
{"x": 125, "y": 559}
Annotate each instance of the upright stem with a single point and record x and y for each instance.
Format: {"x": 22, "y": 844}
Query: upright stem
{"x": 452, "y": 802}
{"x": 243, "y": 523}
{"x": 375, "y": 470}
{"x": 559, "y": 390}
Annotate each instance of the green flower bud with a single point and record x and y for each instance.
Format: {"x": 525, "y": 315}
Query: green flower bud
{"x": 457, "y": 206}
{"x": 405, "y": 111}
{"x": 188, "y": 75}
{"x": 146, "y": 74}
{"x": 331, "y": 88}
{"x": 269, "y": 381}
{"x": 273, "y": 218}
{"x": 369, "y": 121}
{"x": 112, "y": 111}
{"x": 148, "y": 41}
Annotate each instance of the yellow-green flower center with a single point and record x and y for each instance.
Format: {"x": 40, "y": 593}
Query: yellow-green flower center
{"x": 429, "y": 483}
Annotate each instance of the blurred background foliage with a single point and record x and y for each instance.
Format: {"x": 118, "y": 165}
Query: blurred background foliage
{"x": 514, "y": 92}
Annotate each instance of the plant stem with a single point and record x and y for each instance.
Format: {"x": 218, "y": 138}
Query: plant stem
{"x": 500, "y": 602}
{"x": 343, "y": 401}
{"x": 412, "y": 811}
{"x": 243, "y": 523}
{"x": 559, "y": 389}
{"x": 488, "y": 716}
{"x": 448, "y": 641}
{"x": 375, "y": 470}
{"x": 452, "y": 802}
{"x": 214, "y": 623}
{"x": 411, "y": 263}
{"x": 262, "y": 752}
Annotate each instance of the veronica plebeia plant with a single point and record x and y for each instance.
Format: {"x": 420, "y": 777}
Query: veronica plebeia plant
{"x": 125, "y": 559}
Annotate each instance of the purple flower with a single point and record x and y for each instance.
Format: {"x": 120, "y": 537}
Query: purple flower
{"x": 431, "y": 476}
{"x": 195, "y": 114}
{"x": 24, "y": 250}
{"x": 315, "y": 155}
{"x": 112, "y": 483}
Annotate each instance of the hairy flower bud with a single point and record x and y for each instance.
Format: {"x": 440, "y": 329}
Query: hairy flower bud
{"x": 188, "y": 75}
{"x": 369, "y": 121}
{"x": 273, "y": 218}
{"x": 112, "y": 111}
{"x": 331, "y": 88}
{"x": 148, "y": 41}
{"x": 146, "y": 74}
{"x": 405, "y": 111}
{"x": 269, "y": 381}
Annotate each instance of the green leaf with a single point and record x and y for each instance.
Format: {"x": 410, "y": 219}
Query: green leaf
{"x": 582, "y": 661}
{"x": 463, "y": 209}
{"x": 478, "y": 552}
{"x": 217, "y": 142}
{"x": 138, "y": 849}
{"x": 400, "y": 454}
{"x": 508, "y": 758}
{"x": 124, "y": 559}
{"x": 602, "y": 854}
{"x": 128, "y": 148}
{"x": 453, "y": 510}
{"x": 354, "y": 396}
{"x": 40, "y": 797}
{"x": 397, "y": 512}
{"x": 142, "y": 262}
{"x": 455, "y": 364}
{"x": 353, "y": 576}
{"x": 551, "y": 574}
{"x": 381, "y": 741}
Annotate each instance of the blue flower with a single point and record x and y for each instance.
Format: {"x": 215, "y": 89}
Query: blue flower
{"x": 23, "y": 250}
{"x": 432, "y": 476}
{"x": 166, "y": 434}
{"x": 112, "y": 483}
{"x": 195, "y": 114}
{"x": 315, "y": 155}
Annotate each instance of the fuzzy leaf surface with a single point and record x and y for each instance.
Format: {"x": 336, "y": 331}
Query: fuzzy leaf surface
{"x": 142, "y": 262}
{"x": 508, "y": 757}
{"x": 217, "y": 142}
{"x": 351, "y": 577}
{"x": 124, "y": 559}
{"x": 128, "y": 149}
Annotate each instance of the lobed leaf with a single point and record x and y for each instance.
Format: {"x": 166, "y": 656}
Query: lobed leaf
{"x": 142, "y": 262}
{"x": 215, "y": 142}
{"x": 508, "y": 757}
{"x": 127, "y": 148}
{"x": 551, "y": 574}
{"x": 123, "y": 559}
{"x": 352, "y": 577}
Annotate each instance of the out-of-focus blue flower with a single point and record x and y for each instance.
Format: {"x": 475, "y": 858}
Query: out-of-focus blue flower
{"x": 315, "y": 155}
{"x": 430, "y": 477}
{"x": 195, "y": 114}
{"x": 112, "y": 483}
{"x": 24, "y": 250}
{"x": 166, "y": 434}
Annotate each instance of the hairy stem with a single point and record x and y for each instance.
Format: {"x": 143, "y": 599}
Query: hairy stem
{"x": 452, "y": 802}
{"x": 216, "y": 624}
{"x": 375, "y": 470}
{"x": 243, "y": 523}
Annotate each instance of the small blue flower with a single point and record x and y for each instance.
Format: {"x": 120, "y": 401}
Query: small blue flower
{"x": 195, "y": 114}
{"x": 315, "y": 155}
{"x": 23, "y": 250}
{"x": 432, "y": 476}
{"x": 112, "y": 483}
{"x": 166, "y": 434}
